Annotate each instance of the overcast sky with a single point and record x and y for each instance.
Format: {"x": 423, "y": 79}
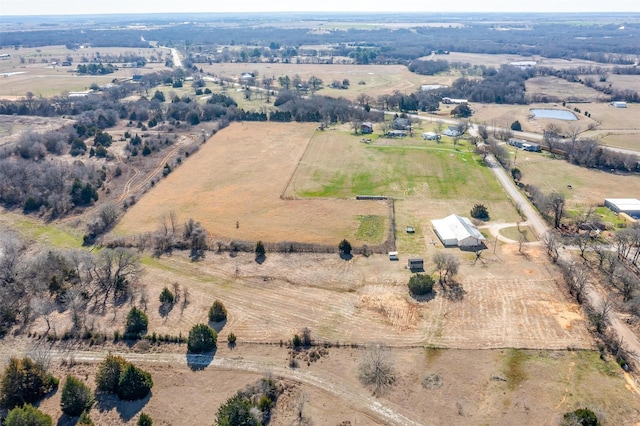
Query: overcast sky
{"x": 77, "y": 7}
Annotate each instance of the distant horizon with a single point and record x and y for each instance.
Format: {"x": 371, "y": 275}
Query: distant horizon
{"x": 11, "y": 8}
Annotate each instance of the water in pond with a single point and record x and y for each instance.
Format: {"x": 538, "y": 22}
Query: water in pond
{"x": 559, "y": 114}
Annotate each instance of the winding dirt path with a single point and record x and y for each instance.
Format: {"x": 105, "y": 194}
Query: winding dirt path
{"x": 383, "y": 411}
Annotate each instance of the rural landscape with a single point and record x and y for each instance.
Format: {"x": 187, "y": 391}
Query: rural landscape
{"x": 320, "y": 219}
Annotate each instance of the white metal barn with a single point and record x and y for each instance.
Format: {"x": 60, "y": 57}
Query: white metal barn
{"x": 630, "y": 206}
{"x": 456, "y": 230}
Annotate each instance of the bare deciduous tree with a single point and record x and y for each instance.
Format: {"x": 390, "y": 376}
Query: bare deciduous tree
{"x": 551, "y": 242}
{"x": 447, "y": 265}
{"x": 376, "y": 368}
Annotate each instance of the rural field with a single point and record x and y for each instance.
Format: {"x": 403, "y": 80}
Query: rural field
{"x": 539, "y": 387}
{"x": 38, "y": 76}
{"x": 589, "y": 187}
{"x": 505, "y": 344}
{"x": 378, "y": 79}
{"x": 234, "y": 185}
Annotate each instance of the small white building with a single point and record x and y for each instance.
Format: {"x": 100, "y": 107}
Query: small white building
{"x": 393, "y": 255}
{"x": 447, "y": 100}
{"x": 619, "y": 104}
{"x": 630, "y": 206}
{"x": 430, "y": 136}
{"x": 456, "y": 230}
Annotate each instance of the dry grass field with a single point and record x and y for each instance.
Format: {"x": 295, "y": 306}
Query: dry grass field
{"x": 504, "y": 59}
{"x": 588, "y": 186}
{"x": 43, "y": 79}
{"x": 234, "y": 184}
{"x": 378, "y": 79}
{"x": 562, "y": 89}
{"x": 540, "y": 387}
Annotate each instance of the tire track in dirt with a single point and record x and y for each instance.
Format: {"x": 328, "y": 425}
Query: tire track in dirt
{"x": 384, "y": 412}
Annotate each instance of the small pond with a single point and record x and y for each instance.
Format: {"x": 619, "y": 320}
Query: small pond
{"x": 559, "y": 114}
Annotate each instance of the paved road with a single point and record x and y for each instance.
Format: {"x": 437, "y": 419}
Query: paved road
{"x": 533, "y": 218}
{"x": 592, "y": 295}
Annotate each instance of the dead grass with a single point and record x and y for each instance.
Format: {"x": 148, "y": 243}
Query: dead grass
{"x": 45, "y": 80}
{"x": 378, "y": 79}
{"x": 588, "y": 186}
{"x": 233, "y": 187}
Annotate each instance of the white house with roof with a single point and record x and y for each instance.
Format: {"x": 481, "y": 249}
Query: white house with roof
{"x": 456, "y": 230}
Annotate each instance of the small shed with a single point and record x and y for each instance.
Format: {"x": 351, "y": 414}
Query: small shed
{"x": 393, "y": 255}
{"x": 430, "y": 136}
{"x": 531, "y": 147}
{"x": 416, "y": 264}
{"x": 366, "y": 128}
{"x": 619, "y": 104}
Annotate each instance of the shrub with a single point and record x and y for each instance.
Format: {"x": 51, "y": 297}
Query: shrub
{"x": 166, "y": 296}
{"x": 420, "y": 284}
{"x": 296, "y": 341}
{"x": 231, "y": 338}
{"x": 76, "y": 397}
{"x": 134, "y": 383}
{"x": 144, "y": 420}
{"x": 582, "y": 417}
{"x": 217, "y": 312}
{"x": 85, "y": 420}
{"x": 236, "y": 411}
{"x": 137, "y": 321}
{"x": 479, "y": 211}
{"x": 202, "y": 338}
{"x": 109, "y": 372}
{"x": 27, "y": 415}
{"x": 24, "y": 381}
{"x": 516, "y": 126}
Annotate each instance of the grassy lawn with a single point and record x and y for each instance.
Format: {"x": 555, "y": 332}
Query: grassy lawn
{"x": 514, "y": 233}
{"x": 57, "y": 235}
{"x": 371, "y": 228}
{"x": 408, "y": 168}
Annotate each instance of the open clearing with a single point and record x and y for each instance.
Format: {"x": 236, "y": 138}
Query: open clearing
{"x": 588, "y": 186}
{"x": 502, "y": 387}
{"x": 378, "y": 79}
{"x": 233, "y": 187}
{"x": 38, "y": 76}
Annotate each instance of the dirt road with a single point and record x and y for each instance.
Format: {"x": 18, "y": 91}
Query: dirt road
{"x": 381, "y": 410}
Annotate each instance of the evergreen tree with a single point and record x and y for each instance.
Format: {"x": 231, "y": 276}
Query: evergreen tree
{"x": 134, "y": 383}
{"x": 27, "y": 415}
{"x": 137, "y": 321}
{"x": 217, "y": 312}
{"x": 76, "y": 397}
{"x": 202, "y": 338}
{"x": 24, "y": 381}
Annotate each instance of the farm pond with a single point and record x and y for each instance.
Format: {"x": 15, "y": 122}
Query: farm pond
{"x": 559, "y": 114}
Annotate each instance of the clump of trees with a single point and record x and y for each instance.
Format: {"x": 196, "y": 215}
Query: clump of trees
{"x": 24, "y": 382}
{"x": 580, "y": 417}
{"x": 251, "y": 406}
{"x": 27, "y": 415}
{"x": 550, "y": 205}
{"x": 202, "y": 338}
{"x": 118, "y": 376}
{"x": 420, "y": 284}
